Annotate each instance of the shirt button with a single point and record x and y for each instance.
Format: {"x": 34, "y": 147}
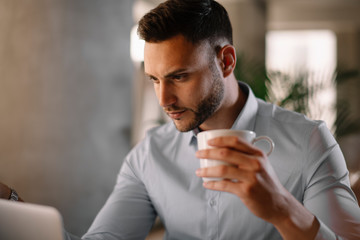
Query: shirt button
{"x": 212, "y": 203}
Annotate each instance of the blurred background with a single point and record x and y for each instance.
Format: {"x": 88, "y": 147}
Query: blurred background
{"x": 73, "y": 99}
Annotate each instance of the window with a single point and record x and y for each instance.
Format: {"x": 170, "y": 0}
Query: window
{"x": 308, "y": 58}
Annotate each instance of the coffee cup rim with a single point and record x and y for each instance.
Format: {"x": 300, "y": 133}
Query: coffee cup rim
{"x": 231, "y": 130}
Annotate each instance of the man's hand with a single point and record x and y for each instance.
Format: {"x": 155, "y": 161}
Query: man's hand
{"x": 5, "y": 192}
{"x": 252, "y": 178}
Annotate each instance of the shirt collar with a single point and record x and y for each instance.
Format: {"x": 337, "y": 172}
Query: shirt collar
{"x": 244, "y": 121}
{"x": 247, "y": 116}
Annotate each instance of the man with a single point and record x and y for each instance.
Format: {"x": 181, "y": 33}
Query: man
{"x": 301, "y": 191}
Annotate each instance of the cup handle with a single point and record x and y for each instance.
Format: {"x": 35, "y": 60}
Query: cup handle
{"x": 269, "y": 140}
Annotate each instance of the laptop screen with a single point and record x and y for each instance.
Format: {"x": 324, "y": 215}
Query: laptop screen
{"x": 26, "y": 221}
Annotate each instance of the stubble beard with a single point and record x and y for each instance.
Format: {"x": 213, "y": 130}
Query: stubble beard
{"x": 206, "y": 107}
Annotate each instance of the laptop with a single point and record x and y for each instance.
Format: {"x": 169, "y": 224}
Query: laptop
{"x": 26, "y": 221}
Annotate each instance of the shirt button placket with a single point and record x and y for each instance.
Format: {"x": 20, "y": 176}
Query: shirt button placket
{"x": 212, "y": 215}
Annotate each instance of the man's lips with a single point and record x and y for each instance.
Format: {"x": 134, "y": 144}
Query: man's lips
{"x": 175, "y": 114}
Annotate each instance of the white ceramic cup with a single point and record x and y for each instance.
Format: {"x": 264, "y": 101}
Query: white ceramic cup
{"x": 205, "y": 136}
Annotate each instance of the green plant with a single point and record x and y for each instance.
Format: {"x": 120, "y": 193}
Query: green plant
{"x": 345, "y": 123}
{"x": 298, "y": 91}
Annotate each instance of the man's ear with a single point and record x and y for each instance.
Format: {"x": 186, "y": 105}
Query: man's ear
{"x": 227, "y": 57}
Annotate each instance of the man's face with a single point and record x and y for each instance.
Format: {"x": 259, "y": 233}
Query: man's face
{"x": 186, "y": 80}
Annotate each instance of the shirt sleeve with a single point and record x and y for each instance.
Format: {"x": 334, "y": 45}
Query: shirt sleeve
{"x": 128, "y": 212}
{"x": 328, "y": 194}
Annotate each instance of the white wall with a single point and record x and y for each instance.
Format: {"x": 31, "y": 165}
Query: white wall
{"x": 248, "y": 19}
{"x": 65, "y": 101}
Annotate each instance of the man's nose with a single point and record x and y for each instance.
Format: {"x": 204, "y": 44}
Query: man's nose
{"x": 166, "y": 94}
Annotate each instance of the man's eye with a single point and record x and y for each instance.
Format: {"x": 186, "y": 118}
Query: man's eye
{"x": 179, "y": 77}
{"x": 153, "y": 79}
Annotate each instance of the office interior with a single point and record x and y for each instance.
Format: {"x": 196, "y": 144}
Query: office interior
{"x": 74, "y": 100}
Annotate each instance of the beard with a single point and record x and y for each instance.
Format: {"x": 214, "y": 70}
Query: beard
{"x": 205, "y": 107}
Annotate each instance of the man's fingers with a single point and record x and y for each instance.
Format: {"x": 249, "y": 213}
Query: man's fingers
{"x": 235, "y": 143}
{"x": 241, "y": 160}
{"x": 224, "y": 185}
{"x": 227, "y": 172}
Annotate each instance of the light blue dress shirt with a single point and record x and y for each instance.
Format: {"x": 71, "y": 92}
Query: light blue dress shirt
{"x": 158, "y": 178}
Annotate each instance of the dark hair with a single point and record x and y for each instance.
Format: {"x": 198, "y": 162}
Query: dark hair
{"x": 196, "y": 20}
